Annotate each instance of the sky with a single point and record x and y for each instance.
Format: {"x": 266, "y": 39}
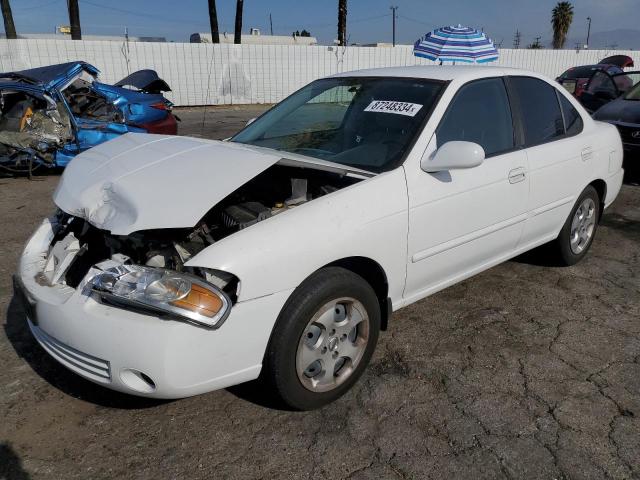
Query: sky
{"x": 368, "y": 21}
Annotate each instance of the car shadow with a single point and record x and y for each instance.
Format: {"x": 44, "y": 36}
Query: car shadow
{"x": 542, "y": 256}
{"x": 27, "y": 348}
{"x": 11, "y": 464}
{"x": 256, "y": 392}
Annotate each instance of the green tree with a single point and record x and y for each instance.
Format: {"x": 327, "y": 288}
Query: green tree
{"x": 9, "y": 26}
{"x": 561, "y": 18}
{"x": 213, "y": 20}
{"x": 237, "y": 36}
{"x": 342, "y": 22}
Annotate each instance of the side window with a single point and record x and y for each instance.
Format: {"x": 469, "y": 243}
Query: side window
{"x": 572, "y": 119}
{"x": 541, "y": 116}
{"x": 479, "y": 113}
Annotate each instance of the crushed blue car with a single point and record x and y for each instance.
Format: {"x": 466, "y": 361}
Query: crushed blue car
{"x": 50, "y": 114}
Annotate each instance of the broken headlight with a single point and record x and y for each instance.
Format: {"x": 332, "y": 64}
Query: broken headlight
{"x": 163, "y": 292}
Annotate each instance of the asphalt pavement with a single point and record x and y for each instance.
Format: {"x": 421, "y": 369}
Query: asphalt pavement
{"x": 525, "y": 371}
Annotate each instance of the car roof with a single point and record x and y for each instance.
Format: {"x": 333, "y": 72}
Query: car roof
{"x": 47, "y": 74}
{"x": 440, "y": 72}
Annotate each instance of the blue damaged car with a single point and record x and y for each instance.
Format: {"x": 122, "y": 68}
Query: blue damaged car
{"x": 50, "y": 114}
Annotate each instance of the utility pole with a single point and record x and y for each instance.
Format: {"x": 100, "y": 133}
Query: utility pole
{"x": 588, "y": 30}
{"x": 393, "y": 9}
{"x": 516, "y": 39}
{"x": 271, "y": 24}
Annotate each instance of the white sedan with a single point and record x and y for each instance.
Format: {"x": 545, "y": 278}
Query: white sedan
{"x": 176, "y": 266}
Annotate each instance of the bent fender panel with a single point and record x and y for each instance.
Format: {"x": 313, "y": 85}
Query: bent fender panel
{"x": 367, "y": 219}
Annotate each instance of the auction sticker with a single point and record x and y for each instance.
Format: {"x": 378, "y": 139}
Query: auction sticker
{"x": 391, "y": 106}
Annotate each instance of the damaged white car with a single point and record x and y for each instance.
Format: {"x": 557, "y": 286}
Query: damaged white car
{"x": 177, "y": 266}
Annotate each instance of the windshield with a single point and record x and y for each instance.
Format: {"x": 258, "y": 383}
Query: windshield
{"x": 362, "y": 122}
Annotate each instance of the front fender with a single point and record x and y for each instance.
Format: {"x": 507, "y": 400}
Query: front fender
{"x": 367, "y": 219}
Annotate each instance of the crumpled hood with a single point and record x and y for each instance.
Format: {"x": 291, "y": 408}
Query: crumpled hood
{"x": 141, "y": 181}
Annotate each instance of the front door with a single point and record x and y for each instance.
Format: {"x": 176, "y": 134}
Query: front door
{"x": 463, "y": 221}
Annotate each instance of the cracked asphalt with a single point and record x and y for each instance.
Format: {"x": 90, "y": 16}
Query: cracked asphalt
{"x": 525, "y": 371}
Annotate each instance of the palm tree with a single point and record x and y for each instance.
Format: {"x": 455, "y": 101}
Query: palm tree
{"x": 213, "y": 20}
{"x": 74, "y": 20}
{"x": 237, "y": 38}
{"x": 561, "y": 18}
{"x": 342, "y": 22}
{"x": 9, "y": 26}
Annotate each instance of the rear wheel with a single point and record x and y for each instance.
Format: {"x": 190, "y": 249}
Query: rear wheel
{"x": 579, "y": 230}
{"x": 323, "y": 339}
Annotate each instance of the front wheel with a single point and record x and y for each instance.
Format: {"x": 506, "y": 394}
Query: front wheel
{"x": 580, "y": 228}
{"x": 323, "y": 339}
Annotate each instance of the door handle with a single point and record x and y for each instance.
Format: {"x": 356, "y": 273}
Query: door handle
{"x": 517, "y": 175}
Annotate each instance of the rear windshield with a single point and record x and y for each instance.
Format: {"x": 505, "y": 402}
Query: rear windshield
{"x": 580, "y": 72}
{"x": 362, "y": 122}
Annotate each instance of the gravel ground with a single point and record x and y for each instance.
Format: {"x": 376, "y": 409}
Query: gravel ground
{"x": 524, "y": 371}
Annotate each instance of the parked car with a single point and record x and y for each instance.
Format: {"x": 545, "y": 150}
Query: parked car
{"x": 604, "y": 88}
{"x": 585, "y": 82}
{"x": 177, "y": 266}
{"x": 50, "y": 114}
{"x": 624, "y": 113}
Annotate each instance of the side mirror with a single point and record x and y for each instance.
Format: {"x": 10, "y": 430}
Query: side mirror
{"x": 136, "y": 109}
{"x": 452, "y": 156}
{"x": 250, "y": 121}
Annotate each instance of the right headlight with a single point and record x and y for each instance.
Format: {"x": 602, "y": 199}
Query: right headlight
{"x": 163, "y": 292}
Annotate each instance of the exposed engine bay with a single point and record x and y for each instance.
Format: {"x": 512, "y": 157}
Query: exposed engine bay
{"x": 276, "y": 190}
{"x": 86, "y": 102}
{"x": 31, "y": 126}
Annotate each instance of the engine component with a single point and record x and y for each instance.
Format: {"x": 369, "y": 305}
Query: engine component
{"x": 298, "y": 192}
{"x": 245, "y": 214}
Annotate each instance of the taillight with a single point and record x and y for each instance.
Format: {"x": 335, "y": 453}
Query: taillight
{"x": 160, "y": 106}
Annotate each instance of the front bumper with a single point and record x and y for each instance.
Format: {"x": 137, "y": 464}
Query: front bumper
{"x": 137, "y": 353}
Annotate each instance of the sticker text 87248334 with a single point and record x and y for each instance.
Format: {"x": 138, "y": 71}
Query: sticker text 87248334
{"x": 391, "y": 106}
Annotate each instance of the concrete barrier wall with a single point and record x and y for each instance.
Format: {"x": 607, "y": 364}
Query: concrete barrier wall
{"x": 205, "y": 74}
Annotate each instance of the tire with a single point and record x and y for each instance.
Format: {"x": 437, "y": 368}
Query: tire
{"x": 577, "y": 235}
{"x": 330, "y": 322}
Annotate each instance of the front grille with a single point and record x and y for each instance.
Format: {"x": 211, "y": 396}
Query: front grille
{"x": 81, "y": 363}
{"x": 626, "y": 133}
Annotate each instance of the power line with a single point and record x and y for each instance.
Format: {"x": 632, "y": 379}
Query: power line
{"x": 34, "y": 7}
{"x": 517, "y": 39}
{"x": 430, "y": 25}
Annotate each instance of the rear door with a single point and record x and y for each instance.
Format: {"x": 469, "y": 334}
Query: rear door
{"x": 558, "y": 155}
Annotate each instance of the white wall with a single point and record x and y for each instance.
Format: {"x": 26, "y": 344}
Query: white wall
{"x": 205, "y": 74}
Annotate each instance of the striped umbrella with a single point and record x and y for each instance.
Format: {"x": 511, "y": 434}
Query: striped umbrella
{"x": 456, "y": 44}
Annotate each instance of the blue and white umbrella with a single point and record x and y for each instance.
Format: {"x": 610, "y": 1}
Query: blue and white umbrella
{"x": 456, "y": 44}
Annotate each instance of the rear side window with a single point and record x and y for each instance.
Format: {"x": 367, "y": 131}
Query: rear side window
{"x": 479, "y": 113}
{"x": 541, "y": 116}
{"x": 572, "y": 119}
